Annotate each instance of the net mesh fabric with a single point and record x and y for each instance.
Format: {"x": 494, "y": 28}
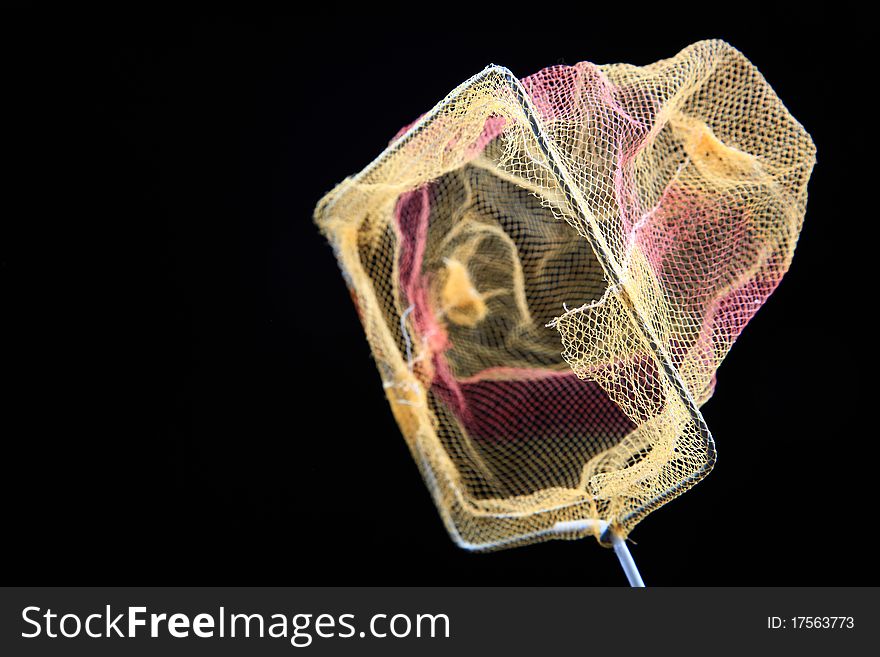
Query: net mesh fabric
{"x": 550, "y": 270}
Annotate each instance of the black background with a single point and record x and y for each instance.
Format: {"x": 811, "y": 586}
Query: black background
{"x": 192, "y": 399}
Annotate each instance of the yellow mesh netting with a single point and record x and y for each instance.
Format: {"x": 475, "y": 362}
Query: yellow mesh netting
{"x": 550, "y": 270}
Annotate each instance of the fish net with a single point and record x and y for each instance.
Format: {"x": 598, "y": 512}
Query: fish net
{"x": 549, "y": 272}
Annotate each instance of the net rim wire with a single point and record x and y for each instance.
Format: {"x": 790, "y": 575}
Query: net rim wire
{"x": 616, "y": 278}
